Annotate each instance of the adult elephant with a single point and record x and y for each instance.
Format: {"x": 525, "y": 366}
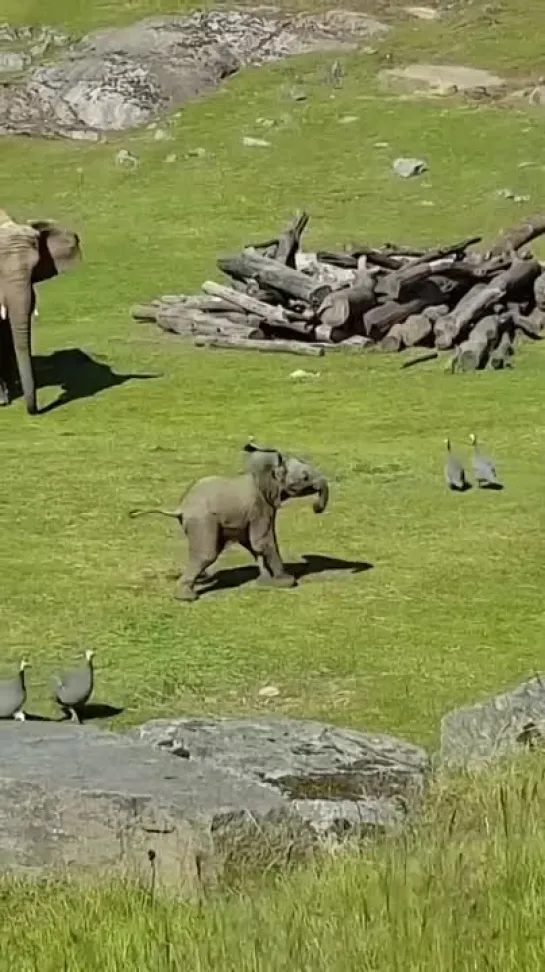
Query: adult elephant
{"x": 29, "y": 253}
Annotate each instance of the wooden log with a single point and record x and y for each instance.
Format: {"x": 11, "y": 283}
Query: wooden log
{"x": 401, "y": 284}
{"x": 344, "y": 260}
{"x": 520, "y": 275}
{"x": 345, "y": 308}
{"x": 519, "y": 236}
{"x": 330, "y": 333}
{"x": 532, "y": 325}
{"x": 539, "y": 291}
{"x": 501, "y": 356}
{"x": 144, "y": 312}
{"x": 416, "y": 329}
{"x": 289, "y": 242}
{"x": 269, "y": 273}
{"x": 435, "y": 311}
{"x": 472, "y": 354}
{"x": 358, "y": 250}
{"x": 198, "y": 322}
{"x": 393, "y": 340}
{"x": 245, "y": 344}
{"x": 274, "y": 316}
{"x": 356, "y": 342}
{"x": 378, "y": 321}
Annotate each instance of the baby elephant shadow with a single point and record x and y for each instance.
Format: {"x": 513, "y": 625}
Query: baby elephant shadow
{"x": 310, "y": 565}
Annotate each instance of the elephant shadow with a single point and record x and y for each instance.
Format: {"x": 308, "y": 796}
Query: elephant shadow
{"x": 310, "y": 565}
{"x": 78, "y": 374}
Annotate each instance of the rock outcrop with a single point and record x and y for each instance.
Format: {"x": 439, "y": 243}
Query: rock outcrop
{"x": 125, "y": 77}
{"x": 336, "y": 780}
{"x": 474, "y": 736}
{"x": 180, "y": 801}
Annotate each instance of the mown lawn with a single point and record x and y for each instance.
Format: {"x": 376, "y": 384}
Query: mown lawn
{"x": 452, "y": 608}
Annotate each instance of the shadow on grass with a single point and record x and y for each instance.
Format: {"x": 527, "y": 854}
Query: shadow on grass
{"x": 310, "y": 565}
{"x": 93, "y": 710}
{"x": 78, "y": 374}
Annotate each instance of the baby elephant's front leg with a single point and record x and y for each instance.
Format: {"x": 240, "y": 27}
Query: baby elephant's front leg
{"x": 272, "y": 572}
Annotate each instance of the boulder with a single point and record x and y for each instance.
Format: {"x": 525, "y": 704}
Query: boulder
{"x": 476, "y": 735}
{"x": 76, "y": 800}
{"x": 122, "y": 78}
{"x": 440, "y": 79}
{"x": 336, "y": 780}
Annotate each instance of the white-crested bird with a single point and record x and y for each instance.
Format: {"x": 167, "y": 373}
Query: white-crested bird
{"x": 13, "y": 695}
{"x": 455, "y": 476}
{"x": 72, "y": 690}
{"x": 484, "y": 469}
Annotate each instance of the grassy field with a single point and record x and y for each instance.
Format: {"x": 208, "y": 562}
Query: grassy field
{"x": 452, "y": 608}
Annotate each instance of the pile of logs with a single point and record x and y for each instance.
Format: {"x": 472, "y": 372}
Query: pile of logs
{"x": 451, "y": 298}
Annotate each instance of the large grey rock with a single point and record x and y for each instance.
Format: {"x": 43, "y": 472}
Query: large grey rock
{"x": 77, "y": 799}
{"x": 476, "y": 735}
{"x": 122, "y": 78}
{"x": 337, "y": 780}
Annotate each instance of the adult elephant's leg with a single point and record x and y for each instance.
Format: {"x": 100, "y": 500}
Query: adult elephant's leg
{"x": 264, "y": 544}
{"x": 19, "y": 304}
{"x": 6, "y": 356}
{"x": 204, "y": 547}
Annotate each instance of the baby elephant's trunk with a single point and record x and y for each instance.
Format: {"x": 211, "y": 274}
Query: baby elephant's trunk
{"x": 322, "y": 489}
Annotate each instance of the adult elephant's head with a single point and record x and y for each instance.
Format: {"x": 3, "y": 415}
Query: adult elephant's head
{"x": 29, "y": 253}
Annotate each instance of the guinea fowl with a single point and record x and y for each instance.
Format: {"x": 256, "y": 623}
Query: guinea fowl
{"x": 484, "y": 469}
{"x": 74, "y": 689}
{"x": 455, "y": 476}
{"x": 13, "y": 695}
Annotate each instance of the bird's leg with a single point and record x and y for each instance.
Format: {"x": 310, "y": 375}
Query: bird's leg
{"x": 20, "y": 716}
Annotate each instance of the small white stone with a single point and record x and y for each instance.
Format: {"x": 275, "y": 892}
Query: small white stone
{"x": 269, "y": 692}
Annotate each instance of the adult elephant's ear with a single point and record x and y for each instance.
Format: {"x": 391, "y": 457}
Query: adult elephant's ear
{"x": 59, "y": 249}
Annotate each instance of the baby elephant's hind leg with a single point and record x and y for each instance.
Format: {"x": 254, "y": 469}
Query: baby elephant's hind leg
{"x": 204, "y": 548}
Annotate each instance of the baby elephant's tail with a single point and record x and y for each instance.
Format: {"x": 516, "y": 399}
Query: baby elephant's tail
{"x": 175, "y": 514}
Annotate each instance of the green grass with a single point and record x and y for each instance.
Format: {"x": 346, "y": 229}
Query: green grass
{"x": 452, "y": 609}
{"x": 463, "y": 892}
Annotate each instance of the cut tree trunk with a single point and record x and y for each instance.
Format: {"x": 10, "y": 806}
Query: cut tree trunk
{"x": 518, "y": 236}
{"x": 269, "y": 273}
{"x": 502, "y": 354}
{"x": 345, "y": 308}
{"x": 275, "y": 317}
{"x": 245, "y": 344}
{"x": 402, "y": 284}
{"x": 472, "y": 354}
{"x": 393, "y": 340}
{"x": 520, "y": 274}
{"x": 378, "y": 321}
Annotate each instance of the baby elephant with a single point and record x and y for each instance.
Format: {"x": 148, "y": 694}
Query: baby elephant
{"x": 218, "y": 510}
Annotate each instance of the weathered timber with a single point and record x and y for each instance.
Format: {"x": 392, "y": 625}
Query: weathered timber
{"x": 290, "y": 240}
{"x": 520, "y": 274}
{"x": 435, "y": 311}
{"x": 501, "y": 356}
{"x": 539, "y": 291}
{"x": 344, "y": 260}
{"x": 402, "y": 284}
{"x": 380, "y": 259}
{"x": 274, "y": 316}
{"x": 473, "y": 353}
{"x": 330, "y": 333}
{"x": 144, "y": 312}
{"x": 272, "y": 346}
{"x": 519, "y": 236}
{"x": 199, "y": 322}
{"x": 356, "y": 342}
{"x": 345, "y": 308}
{"x": 532, "y": 325}
{"x": 378, "y": 321}
{"x": 393, "y": 340}
{"x": 416, "y": 329}
{"x": 269, "y": 273}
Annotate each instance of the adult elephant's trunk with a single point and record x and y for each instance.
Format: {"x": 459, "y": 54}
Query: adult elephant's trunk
{"x": 18, "y": 299}
{"x": 322, "y": 488}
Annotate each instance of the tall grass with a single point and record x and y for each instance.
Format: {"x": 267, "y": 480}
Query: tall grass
{"x": 465, "y": 890}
